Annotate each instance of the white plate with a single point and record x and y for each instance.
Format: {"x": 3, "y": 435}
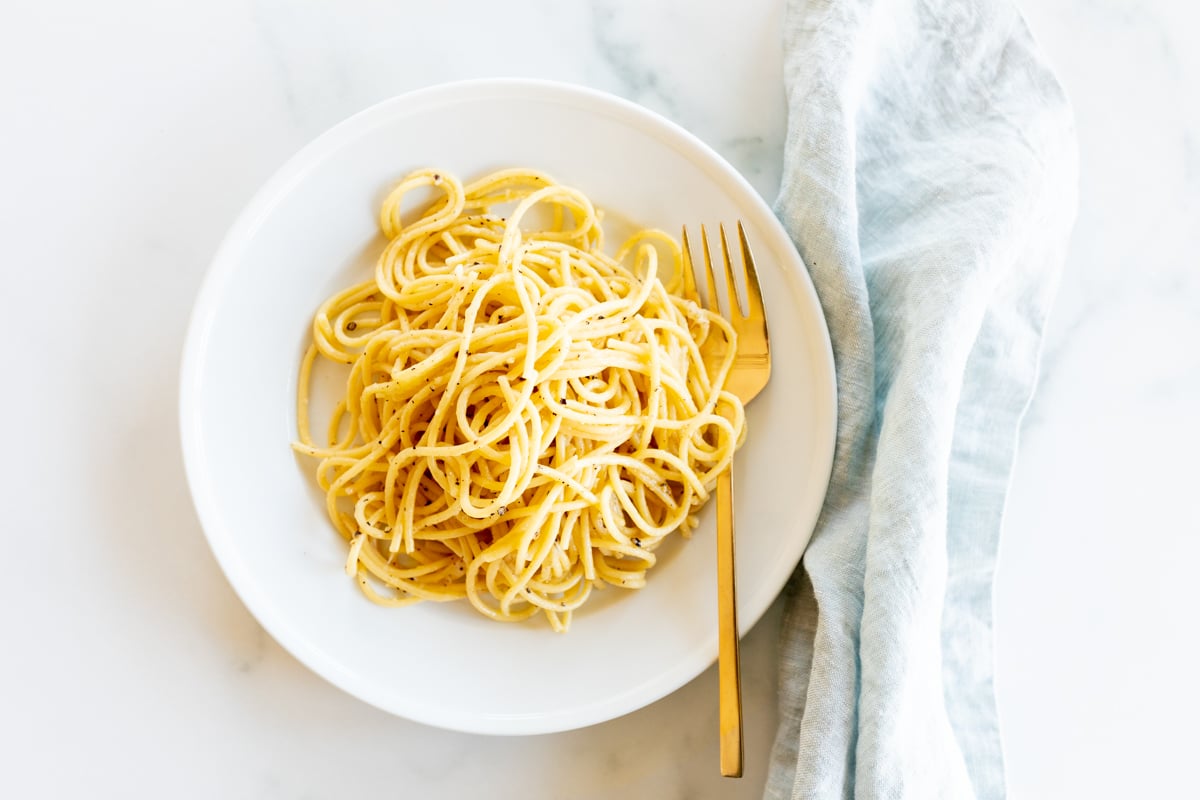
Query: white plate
{"x": 309, "y": 231}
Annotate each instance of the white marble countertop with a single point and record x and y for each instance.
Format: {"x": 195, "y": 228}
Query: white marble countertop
{"x": 133, "y": 132}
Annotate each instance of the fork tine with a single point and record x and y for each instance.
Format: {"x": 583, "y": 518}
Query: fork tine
{"x": 710, "y": 280}
{"x": 689, "y": 269}
{"x": 754, "y": 296}
{"x": 735, "y": 305}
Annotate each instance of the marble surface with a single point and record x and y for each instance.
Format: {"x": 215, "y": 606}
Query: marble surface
{"x": 133, "y": 132}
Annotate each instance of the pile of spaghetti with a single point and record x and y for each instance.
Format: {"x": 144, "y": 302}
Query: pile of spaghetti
{"x": 525, "y": 417}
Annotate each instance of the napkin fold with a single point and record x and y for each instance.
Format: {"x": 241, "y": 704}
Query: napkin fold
{"x": 930, "y": 177}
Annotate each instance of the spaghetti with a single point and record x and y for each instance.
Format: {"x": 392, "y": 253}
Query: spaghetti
{"x": 525, "y": 418}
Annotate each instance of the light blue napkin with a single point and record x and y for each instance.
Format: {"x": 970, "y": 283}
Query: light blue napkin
{"x": 930, "y": 184}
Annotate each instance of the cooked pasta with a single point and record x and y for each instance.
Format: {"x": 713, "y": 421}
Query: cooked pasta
{"x": 525, "y": 418}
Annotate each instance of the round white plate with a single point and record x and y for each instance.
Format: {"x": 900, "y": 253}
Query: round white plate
{"x": 312, "y": 230}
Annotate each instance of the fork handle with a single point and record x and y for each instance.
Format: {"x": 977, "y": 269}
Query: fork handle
{"x": 729, "y": 668}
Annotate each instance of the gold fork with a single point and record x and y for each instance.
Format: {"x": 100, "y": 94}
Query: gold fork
{"x": 750, "y": 373}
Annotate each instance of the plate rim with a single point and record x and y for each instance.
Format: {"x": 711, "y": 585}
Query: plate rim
{"x": 195, "y": 351}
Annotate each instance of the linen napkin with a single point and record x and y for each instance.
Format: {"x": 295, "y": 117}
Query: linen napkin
{"x": 929, "y": 183}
